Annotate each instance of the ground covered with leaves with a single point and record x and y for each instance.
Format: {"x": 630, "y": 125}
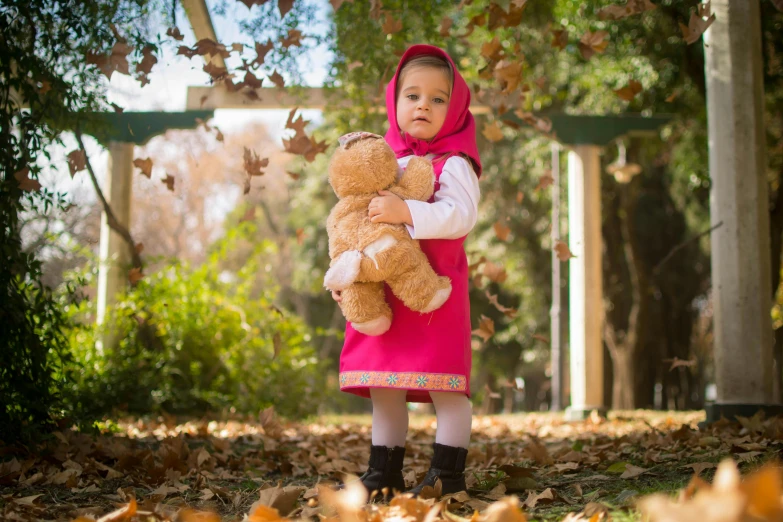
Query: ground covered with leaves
{"x": 520, "y": 467}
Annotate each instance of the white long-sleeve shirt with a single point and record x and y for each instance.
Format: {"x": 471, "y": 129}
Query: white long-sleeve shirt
{"x": 455, "y": 210}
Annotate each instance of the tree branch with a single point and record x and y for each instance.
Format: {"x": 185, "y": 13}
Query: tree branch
{"x": 111, "y": 219}
{"x": 682, "y": 245}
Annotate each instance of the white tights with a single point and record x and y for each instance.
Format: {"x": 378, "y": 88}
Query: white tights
{"x": 390, "y": 417}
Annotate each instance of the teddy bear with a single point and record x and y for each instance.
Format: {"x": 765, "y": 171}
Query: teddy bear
{"x": 365, "y": 255}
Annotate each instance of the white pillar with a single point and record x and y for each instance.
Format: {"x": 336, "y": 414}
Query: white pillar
{"x": 115, "y": 254}
{"x": 586, "y": 307}
{"x": 740, "y": 246}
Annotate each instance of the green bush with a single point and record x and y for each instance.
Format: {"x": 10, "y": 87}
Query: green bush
{"x": 195, "y": 339}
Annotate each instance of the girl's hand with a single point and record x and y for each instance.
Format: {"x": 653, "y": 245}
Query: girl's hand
{"x": 337, "y": 295}
{"x": 389, "y": 208}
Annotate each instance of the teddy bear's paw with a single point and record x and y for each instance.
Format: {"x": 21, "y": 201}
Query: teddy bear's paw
{"x": 344, "y": 271}
{"x": 437, "y": 301}
{"x": 377, "y": 326}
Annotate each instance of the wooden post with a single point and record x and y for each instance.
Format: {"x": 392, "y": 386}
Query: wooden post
{"x": 586, "y": 305}
{"x": 115, "y": 253}
{"x": 556, "y": 327}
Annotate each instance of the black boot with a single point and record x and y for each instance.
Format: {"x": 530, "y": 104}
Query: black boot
{"x": 448, "y": 465}
{"x": 385, "y": 470}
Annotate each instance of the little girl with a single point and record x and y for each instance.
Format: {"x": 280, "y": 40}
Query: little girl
{"x": 423, "y": 357}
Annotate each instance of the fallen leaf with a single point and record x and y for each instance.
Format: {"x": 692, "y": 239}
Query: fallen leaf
{"x": 294, "y": 38}
{"x": 135, "y": 275}
{"x": 445, "y": 25}
{"x": 495, "y": 273}
{"x": 174, "y": 33}
{"x": 253, "y": 164}
{"x": 533, "y": 498}
{"x": 284, "y": 6}
{"x": 277, "y": 79}
{"x": 501, "y": 230}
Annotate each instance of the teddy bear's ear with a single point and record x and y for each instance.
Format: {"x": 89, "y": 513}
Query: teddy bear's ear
{"x": 351, "y": 137}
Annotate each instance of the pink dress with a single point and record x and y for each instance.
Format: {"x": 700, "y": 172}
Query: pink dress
{"x": 421, "y": 352}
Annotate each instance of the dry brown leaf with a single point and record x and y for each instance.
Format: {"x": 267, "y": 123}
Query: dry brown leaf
{"x": 145, "y": 165}
{"x": 492, "y": 50}
{"x": 629, "y": 92}
{"x": 632, "y": 471}
{"x": 77, "y": 161}
{"x": 593, "y": 42}
{"x": 294, "y": 38}
{"x": 144, "y": 67}
{"x": 492, "y": 131}
{"x": 631, "y": 7}
{"x": 544, "y": 181}
{"x": 501, "y": 230}
{"x": 445, "y": 26}
{"x": 505, "y": 510}
{"x": 698, "y": 23}
{"x": 677, "y": 362}
{"x": 124, "y": 513}
{"x": 135, "y": 275}
{"x": 284, "y": 6}
{"x": 277, "y": 79}
{"x": 495, "y": 273}
{"x": 253, "y": 164}
{"x": 261, "y": 52}
{"x": 559, "y": 38}
{"x": 508, "y": 74}
{"x": 390, "y": 25}
{"x": 486, "y": 328}
{"x": 563, "y": 252}
{"x": 168, "y": 181}
{"x": 174, "y": 33}
{"x": 493, "y": 300}
{"x": 533, "y": 498}
{"x": 25, "y": 183}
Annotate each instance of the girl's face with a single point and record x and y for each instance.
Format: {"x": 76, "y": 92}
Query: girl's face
{"x": 423, "y": 102}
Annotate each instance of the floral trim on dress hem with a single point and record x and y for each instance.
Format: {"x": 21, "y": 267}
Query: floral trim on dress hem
{"x": 404, "y": 380}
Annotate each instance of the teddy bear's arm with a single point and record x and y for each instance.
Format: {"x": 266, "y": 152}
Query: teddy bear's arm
{"x": 418, "y": 181}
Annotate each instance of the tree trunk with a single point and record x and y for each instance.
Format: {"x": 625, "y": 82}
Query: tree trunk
{"x": 622, "y": 383}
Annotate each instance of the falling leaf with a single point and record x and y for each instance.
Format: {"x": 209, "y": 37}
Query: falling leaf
{"x": 486, "y": 328}
{"x": 629, "y": 92}
{"x": 698, "y": 23}
{"x": 253, "y": 164}
{"x": 294, "y": 38}
{"x": 593, "y": 42}
{"x": 25, "y": 183}
{"x": 632, "y": 7}
{"x": 217, "y": 72}
{"x": 174, "y": 33}
{"x": 116, "y": 60}
{"x": 563, "y": 252}
{"x": 168, "y": 181}
{"x": 493, "y": 300}
{"x": 117, "y": 108}
{"x": 251, "y": 81}
{"x": 135, "y": 275}
{"x": 540, "y": 124}
{"x": 77, "y": 161}
{"x": 492, "y": 50}
{"x": 353, "y": 65}
{"x": 261, "y": 51}
{"x": 145, "y": 165}
{"x": 559, "y": 38}
{"x": 492, "y": 131}
{"x": 295, "y": 176}
{"x": 542, "y": 338}
{"x": 501, "y": 230}
{"x": 270, "y": 423}
{"x": 495, "y": 273}
{"x": 300, "y": 235}
{"x": 298, "y": 124}
{"x": 445, "y": 26}
{"x": 238, "y": 47}
{"x": 139, "y": 248}
{"x": 498, "y": 17}
{"x": 544, "y": 181}
{"x": 390, "y": 25}
{"x": 219, "y": 136}
{"x": 284, "y": 6}
{"x": 520, "y": 197}
{"x": 144, "y": 67}
{"x": 277, "y": 79}
{"x": 508, "y": 74}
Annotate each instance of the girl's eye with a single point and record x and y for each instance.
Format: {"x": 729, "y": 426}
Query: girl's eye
{"x": 439, "y": 100}
{"x": 413, "y": 97}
